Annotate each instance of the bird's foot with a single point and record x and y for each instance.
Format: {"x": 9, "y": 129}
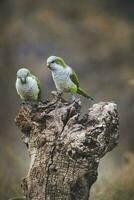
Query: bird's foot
{"x": 23, "y": 103}
{"x": 57, "y": 94}
{"x": 73, "y": 98}
{"x": 31, "y": 103}
{"x": 54, "y": 93}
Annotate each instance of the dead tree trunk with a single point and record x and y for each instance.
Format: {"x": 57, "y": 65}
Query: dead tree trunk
{"x": 65, "y": 148}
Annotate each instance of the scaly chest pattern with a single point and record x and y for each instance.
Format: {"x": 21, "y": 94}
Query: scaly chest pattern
{"x": 62, "y": 79}
{"x": 28, "y": 90}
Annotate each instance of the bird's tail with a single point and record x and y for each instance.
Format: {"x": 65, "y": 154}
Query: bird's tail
{"x": 84, "y": 94}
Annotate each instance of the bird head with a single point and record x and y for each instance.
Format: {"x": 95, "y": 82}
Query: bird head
{"x": 54, "y": 63}
{"x": 22, "y": 74}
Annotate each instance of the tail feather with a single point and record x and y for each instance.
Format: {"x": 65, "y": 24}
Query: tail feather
{"x": 83, "y": 93}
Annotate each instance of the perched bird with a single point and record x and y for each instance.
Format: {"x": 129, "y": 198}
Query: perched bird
{"x": 27, "y": 85}
{"x": 64, "y": 77}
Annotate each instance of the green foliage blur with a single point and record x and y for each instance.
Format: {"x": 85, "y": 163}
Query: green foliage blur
{"x": 96, "y": 38}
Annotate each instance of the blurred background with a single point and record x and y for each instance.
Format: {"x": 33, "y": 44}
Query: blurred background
{"x": 96, "y": 38}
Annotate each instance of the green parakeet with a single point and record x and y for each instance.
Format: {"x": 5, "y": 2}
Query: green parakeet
{"x": 27, "y": 85}
{"x": 64, "y": 77}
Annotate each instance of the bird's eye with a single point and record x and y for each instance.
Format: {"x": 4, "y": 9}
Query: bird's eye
{"x": 52, "y": 61}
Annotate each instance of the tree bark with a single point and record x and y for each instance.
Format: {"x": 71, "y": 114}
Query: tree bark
{"x": 65, "y": 148}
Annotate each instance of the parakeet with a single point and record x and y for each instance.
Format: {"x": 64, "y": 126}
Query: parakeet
{"x": 27, "y": 85}
{"x": 64, "y": 77}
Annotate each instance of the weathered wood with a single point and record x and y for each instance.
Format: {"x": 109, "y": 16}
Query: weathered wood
{"x": 65, "y": 148}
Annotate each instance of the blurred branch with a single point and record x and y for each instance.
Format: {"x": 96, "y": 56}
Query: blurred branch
{"x": 65, "y": 149}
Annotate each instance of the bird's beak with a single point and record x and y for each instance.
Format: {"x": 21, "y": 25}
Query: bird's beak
{"x": 23, "y": 80}
{"x": 48, "y": 66}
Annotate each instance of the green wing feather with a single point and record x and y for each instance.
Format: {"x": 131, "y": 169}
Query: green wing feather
{"x": 80, "y": 91}
{"x": 39, "y": 86}
{"x": 38, "y": 81}
{"x": 74, "y": 78}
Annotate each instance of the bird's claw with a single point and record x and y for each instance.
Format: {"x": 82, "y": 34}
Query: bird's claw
{"x": 54, "y": 93}
{"x": 31, "y": 103}
{"x": 57, "y": 94}
{"x": 23, "y": 103}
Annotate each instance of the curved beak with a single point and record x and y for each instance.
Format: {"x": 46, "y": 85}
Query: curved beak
{"x": 48, "y": 65}
{"x": 23, "y": 80}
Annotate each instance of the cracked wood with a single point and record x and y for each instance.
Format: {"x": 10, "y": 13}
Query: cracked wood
{"x": 65, "y": 148}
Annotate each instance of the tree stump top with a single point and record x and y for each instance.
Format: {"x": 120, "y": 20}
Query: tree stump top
{"x": 65, "y": 148}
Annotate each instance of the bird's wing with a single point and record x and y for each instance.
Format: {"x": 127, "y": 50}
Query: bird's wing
{"x": 39, "y": 86}
{"x": 38, "y": 82}
{"x": 74, "y": 78}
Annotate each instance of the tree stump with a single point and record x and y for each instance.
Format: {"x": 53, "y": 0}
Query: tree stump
{"x": 65, "y": 148}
